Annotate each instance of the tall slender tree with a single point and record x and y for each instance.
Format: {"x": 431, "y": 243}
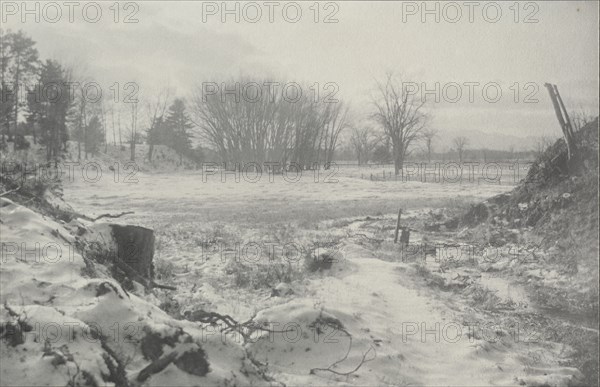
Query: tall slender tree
{"x": 156, "y": 132}
{"x": 179, "y": 126}
{"x": 401, "y": 115}
{"x": 428, "y": 135}
{"x": 49, "y": 107}
{"x": 20, "y": 65}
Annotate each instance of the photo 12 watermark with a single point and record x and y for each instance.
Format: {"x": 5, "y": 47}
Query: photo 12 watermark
{"x": 71, "y": 171}
{"x": 55, "y": 92}
{"x": 325, "y": 12}
{"x": 270, "y": 172}
{"x": 52, "y": 12}
{"x": 270, "y": 92}
{"x": 491, "y": 12}
{"x": 473, "y": 92}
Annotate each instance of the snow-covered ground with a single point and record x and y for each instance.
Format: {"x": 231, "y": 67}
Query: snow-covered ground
{"x": 202, "y": 197}
{"x": 365, "y": 314}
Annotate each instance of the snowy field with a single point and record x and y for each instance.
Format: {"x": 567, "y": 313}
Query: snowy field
{"x": 394, "y": 329}
{"x": 304, "y": 197}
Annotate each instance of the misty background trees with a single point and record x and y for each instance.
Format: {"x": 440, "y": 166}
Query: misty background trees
{"x": 268, "y": 127}
{"x": 364, "y": 141}
{"x": 401, "y": 115}
{"x": 46, "y": 101}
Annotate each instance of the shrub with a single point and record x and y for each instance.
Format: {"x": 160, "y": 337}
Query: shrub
{"x": 164, "y": 269}
{"x": 322, "y": 262}
{"x": 21, "y": 143}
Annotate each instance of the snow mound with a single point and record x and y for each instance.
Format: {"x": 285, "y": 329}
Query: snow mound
{"x": 301, "y": 336}
{"x": 59, "y": 327}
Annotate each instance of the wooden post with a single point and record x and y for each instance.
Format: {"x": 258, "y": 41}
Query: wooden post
{"x": 564, "y": 110}
{"x": 397, "y": 226}
{"x": 405, "y": 237}
{"x": 563, "y": 118}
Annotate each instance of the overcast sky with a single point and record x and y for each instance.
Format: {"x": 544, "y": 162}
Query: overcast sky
{"x": 172, "y": 45}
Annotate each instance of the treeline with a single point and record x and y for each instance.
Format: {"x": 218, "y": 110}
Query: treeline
{"x": 46, "y": 95}
{"x": 239, "y": 121}
{"x": 268, "y": 126}
{"x": 382, "y": 155}
{"x": 49, "y": 102}
{"x": 22, "y": 76}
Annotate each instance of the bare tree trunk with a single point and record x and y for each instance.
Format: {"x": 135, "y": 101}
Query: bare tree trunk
{"x": 33, "y": 132}
{"x": 429, "y": 151}
{"x": 120, "y": 137}
{"x": 133, "y": 130}
{"x": 16, "y": 112}
{"x": 104, "y": 127}
{"x": 132, "y": 149}
{"x": 564, "y": 122}
{"x": 85, "y": 134}
{"x": 398, "y": 160}
{"x": 112, "y": 115}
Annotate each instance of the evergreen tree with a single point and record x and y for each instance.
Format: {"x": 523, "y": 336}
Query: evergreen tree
{"x": 177, "y": 127}
{"x": 95, "y": 136}
{"x": 156, "y": 135}
{"x": 49, "y": 105}
{"x": 19, "y": 66}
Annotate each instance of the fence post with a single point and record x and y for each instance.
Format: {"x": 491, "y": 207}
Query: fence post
{"x": 397, "y": 226}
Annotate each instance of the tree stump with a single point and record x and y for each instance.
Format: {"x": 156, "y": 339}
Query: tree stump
{"x": 405, "y": 237}
{"x": 135, "y": 250}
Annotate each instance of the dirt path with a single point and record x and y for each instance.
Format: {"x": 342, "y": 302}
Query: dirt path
{"x": 417, "y": 339}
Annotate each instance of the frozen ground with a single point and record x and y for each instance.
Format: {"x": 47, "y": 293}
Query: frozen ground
{"x": 406, "y": 332}
{"x": 191, "y": 196}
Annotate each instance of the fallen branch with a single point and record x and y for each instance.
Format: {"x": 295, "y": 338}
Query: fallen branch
{"x": 105, "y": 216}
{"x": 160, "y": 286}
{"x": 360, "y": 364}
{"x": 156, "y": 366}
{"x": 375, "y": 240}
{"x": 10, "y": 191}
{"x": 232, "y": 325}
{"x": 146, "y": 282}
{"x": 362, "y": 361}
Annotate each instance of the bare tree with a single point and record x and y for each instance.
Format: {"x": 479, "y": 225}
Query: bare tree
{"x": 104, "y": 127}
{"x": 269, "y": 128}
{"x": 156, "y": 111}
{"x": 133, "y": 135}
{"x": 335, "y": 122}
{"x": 428, "y": 135}
{"x": 119, "y": 125}
{"x": 542, "y": 143}
{"x": 460, "y": 143}
{"x": 401, "y": 115}
{"x": 363, "y": 142}
{"x": 112, "y": 118}
{"x": 580, "y": 118}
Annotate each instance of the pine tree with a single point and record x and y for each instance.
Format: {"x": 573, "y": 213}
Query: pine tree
{"x": 95, "y": 136}
{"x": 156, "y": 135}
{"x": 178, "y": 126}
{"x": 19, "y": 64}
{"x": 49, "y": 105}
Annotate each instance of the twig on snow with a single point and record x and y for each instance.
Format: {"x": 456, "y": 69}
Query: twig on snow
{"x": 105, "y": 216}
{"x": 10, "y": 191}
